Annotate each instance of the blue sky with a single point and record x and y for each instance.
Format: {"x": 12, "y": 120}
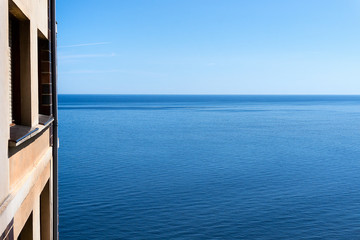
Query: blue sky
{"x": 209, "y": 46}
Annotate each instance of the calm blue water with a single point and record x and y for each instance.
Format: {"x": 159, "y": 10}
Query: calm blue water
{"x": 209, "y": 167}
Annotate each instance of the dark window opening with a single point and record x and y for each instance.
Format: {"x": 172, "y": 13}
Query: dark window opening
{"x": 44, "y": 74}
{"x": 45, "y": 213}
{"x": 14, "y": 82}
{"x": 27, "y": 231}
{"x": 20, "y": 70}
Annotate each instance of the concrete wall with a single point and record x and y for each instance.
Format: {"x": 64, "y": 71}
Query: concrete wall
{"x": 26, "y": 157}
{"x": 4, "y": 101}
{"x": 31, "y": 204}
{"x": 25, "y": 197}
{"x": 24, "y": 170}
{"x": 37, "y": 12}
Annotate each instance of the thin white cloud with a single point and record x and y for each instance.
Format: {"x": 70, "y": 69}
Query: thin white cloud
{"x": 84, "y": 44}
{"x": 91, "y": 71}
{"x": 76, "y": 56}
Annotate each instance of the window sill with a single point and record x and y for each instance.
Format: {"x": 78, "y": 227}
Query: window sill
{"x": 20, "y": 134}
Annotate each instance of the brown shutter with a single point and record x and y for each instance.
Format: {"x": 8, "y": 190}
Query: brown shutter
{"x": 10, "y": 73}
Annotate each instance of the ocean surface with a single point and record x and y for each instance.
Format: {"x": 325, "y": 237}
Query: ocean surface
{"x": 209, "y": 167}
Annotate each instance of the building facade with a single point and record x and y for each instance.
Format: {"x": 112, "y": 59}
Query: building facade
{"x": 28, "y": 121}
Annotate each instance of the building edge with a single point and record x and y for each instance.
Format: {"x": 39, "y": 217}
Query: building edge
{"x": 55, "y": 124}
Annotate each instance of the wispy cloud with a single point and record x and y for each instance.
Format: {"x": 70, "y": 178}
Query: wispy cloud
{"x": 76, "y": 56}
{"x": 91, "y": 71}
{"x": 84, "y": 44}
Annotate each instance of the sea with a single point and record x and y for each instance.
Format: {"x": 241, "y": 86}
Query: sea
{"x": 209, "y": 167}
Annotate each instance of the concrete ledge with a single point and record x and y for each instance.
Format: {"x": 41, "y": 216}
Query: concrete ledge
{"x": 20, "y": 134}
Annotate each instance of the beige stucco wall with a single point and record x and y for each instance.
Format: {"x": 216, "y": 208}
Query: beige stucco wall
{"x": 4, "y": 101}
{"x": 27, "y": 180}
{"x": 24, "y": 160}
{"x": 25, "y": 194}
{"x": 37, "y": 12}
{"x": 32, "y": 204}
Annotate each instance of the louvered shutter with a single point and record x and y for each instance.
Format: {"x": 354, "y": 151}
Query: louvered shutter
{"x": 10, "y": 73}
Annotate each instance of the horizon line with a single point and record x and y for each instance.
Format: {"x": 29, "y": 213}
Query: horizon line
{"x": 215, "y": 94}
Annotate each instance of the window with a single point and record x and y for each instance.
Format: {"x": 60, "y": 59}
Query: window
{"x": 19, "y": 81}
{"x": 14, "y": 81}
{"x": 44, "y": 71}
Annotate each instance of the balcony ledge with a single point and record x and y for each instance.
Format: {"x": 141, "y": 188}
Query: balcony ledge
{"x": 20, "y": 134}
